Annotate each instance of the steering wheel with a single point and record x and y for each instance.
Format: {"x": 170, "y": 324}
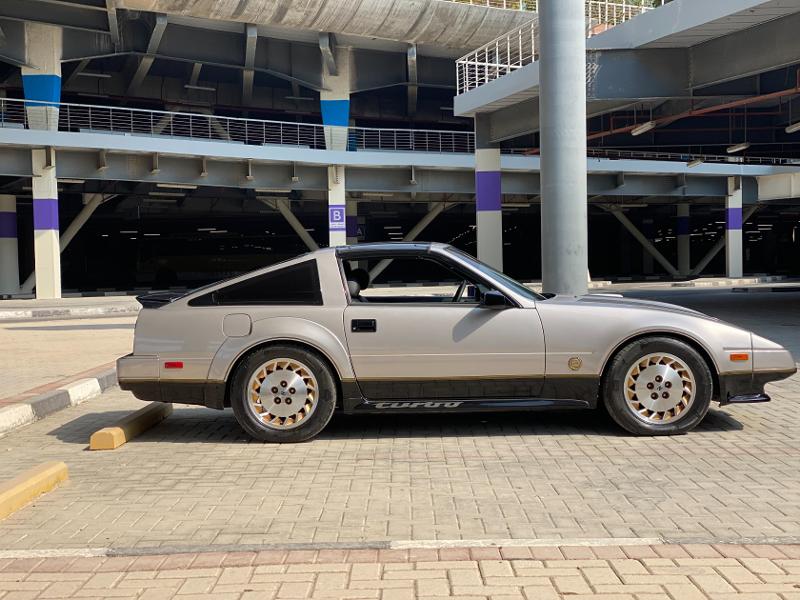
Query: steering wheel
{"x": 460, "y": 291}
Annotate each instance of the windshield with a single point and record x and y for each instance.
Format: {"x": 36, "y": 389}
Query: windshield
{"x": 497, "y": 275}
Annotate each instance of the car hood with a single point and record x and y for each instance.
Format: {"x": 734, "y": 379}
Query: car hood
{"x": 621, "y": 302}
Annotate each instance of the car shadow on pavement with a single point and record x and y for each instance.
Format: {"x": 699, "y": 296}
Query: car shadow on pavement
{"x": 197, "y": 425}
{"x": 80, "y": 429}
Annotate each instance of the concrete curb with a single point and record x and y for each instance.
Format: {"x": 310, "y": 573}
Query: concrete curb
{"x": 29, "y": 485}
{"x": 124, "y": 430}
{"x": 25, "y": 314}
{"x": 16, "y": 415}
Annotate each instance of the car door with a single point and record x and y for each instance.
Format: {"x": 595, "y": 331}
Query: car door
{"x": 444, "y": 349}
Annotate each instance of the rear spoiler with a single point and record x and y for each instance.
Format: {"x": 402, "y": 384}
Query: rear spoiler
{"x": 158, "y": 299}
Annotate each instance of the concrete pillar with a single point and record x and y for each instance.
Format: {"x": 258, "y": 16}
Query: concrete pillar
{"x": 41, "y": 81}
{"x": 9, "y": 253}
{"x": 46, "y": 248}
{"x": 562, "y": 60}
{"x": 337, "y": 209}
{"x": 335, "y": 101}
{"x": 488, "y": 197}
{"x": 683, "y": 234}
{"x": 734, "y": 266}
{"x": 351, "y": 221}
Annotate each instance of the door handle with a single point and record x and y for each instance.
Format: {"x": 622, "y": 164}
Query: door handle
{"x": 363, "y": 325}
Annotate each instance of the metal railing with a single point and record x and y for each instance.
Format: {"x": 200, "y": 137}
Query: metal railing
{"x": 697, "y": 159}
{"x": 517, "y": 48}
{"x": 693, "y": 159}
{"x": 133, "y": 121}
{"x": 610, "y": 8}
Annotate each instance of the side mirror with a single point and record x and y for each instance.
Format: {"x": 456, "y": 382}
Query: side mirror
{"x": 494, "y": 299}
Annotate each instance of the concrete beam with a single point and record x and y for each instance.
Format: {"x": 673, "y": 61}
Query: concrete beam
{"x": 756, "y": 50}
{"x": 448, "y": 25}
{"x": 72, "y": 15}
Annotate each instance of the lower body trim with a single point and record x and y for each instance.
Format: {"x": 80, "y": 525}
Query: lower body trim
{"x": 200, "y": 393}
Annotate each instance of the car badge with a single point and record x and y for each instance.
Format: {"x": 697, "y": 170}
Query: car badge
{"x": 575, "y": 363}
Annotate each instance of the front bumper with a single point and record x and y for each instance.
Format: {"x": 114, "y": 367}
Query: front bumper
{"x": 747, "y": 388}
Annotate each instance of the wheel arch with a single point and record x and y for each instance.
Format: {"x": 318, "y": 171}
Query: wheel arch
{"x": 704, "y": 353}
{"x": 304, "y": 345}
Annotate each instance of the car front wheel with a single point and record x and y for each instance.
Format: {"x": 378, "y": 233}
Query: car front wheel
{"x": 283, "y": 394}
{"x": 658, "y": 386}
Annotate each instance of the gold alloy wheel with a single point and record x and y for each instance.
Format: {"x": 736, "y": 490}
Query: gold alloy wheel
{"x": 282, "y": 393}
{"x": 659, "y": 388}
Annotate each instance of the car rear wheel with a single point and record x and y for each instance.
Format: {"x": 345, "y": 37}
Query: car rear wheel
{"x": 283, "y": 394}
{"x": 658, "y": 386}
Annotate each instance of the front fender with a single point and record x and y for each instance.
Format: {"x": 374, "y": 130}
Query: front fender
{"x": 282, "y": 329}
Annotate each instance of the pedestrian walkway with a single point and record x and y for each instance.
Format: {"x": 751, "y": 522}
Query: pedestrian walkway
{"x": 671, "y": 572}
{"x": 38, "y": 356}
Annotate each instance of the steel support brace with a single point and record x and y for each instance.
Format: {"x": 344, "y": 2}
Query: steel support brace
{"x": 626, "y": 222}
{"x": 716, "y": 248}
{"x": 70, "y": 232}
{"x": 434, "y": 212}
{"x": 282, "y": 206}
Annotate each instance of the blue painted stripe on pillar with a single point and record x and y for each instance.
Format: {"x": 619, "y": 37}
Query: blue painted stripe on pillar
{"x": 488, "y": 191}
{"x": 8, "y": 224}
{"x": 682, "y": 226}
{"x": 733, "y": 218}
{"x": 337, "y": 219}
{"x": 45, "y": 213}
{"x": 44, "y": 88}
{"x": 335, "y": 112}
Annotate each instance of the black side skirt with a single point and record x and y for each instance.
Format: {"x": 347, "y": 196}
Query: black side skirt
{"x": 470, "y": 396}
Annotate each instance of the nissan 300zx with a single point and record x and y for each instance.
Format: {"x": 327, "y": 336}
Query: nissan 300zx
{"x": 288, "y": 345}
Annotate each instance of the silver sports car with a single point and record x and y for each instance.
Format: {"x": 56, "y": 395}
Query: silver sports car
{"x": 288, "y": 345}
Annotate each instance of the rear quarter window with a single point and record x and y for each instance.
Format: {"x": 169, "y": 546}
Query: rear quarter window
{"x": 296, "y": 285}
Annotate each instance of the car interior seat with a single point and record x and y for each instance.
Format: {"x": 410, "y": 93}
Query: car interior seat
{"x": 357, "y": 281}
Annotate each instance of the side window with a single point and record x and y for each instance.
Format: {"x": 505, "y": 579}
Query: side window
{"x": 409, "y": 279}
{"x": 298, "y": 284}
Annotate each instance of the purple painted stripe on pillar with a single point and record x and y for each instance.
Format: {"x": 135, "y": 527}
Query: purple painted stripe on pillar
{"x": 352, "y": 225}
{"x": 487, "y": 190}
{"x": 682, "y": 226}
{"x": 733, "y": 218}
{"x": 45, "y": 213}
{"x": 8, "y": 224}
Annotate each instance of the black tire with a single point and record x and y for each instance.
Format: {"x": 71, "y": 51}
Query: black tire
{"x": 309, "y": 426}
{"x": 614, "y": 393}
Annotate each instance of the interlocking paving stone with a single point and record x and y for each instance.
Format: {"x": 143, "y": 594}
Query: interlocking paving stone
{"x": 196, "y": 480}
{"x": 309, "y": 576}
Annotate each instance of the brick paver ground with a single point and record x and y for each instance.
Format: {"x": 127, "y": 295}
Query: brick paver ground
{"x": 197, "y": 480}
{"x": 194, "y": 508}
{"x": 543, "y": 573}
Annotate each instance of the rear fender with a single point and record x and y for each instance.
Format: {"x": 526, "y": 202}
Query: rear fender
{"x": 283, "y": 329}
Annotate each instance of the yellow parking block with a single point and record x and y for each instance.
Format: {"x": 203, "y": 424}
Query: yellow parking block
{"x": 29, "y": 485}
{"x": 110, "y": 438}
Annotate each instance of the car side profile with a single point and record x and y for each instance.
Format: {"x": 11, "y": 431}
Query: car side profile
{"x": 288, "y": 345}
